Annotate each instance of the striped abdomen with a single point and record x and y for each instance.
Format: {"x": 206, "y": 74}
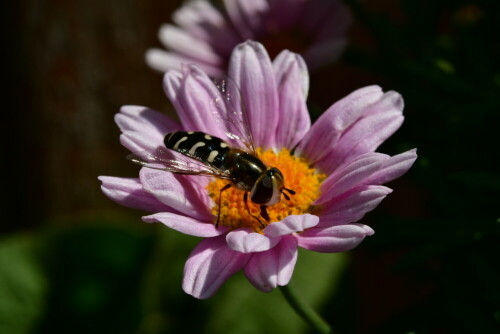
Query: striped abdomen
{"x": 198, "y": 145}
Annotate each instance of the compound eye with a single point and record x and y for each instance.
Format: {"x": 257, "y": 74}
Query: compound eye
{"x": 262, "y": 191}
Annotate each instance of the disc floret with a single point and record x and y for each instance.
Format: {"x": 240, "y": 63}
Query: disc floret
{"x": 299, "y": 177}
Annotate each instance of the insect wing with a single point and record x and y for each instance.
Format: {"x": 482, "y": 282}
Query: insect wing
{"x": 169, "y": 161}
{"x": 229, "y": 110}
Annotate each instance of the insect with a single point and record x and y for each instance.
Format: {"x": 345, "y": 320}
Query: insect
{"x": 205, "y": 154}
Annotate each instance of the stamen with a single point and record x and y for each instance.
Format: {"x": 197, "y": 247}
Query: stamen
{"x": 301, "y": 181}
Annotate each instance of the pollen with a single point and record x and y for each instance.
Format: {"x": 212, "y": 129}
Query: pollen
{"x": 304, "y": 180}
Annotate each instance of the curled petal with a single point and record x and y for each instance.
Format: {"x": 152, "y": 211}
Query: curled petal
{"x": 291, "y": 224}
{"x": 251, "y": 69}
{"x": 186, "y": 225}
{"x": 267, "y": 270}
{"x": 129, "y": 192}
{"x": 178, "y": 192}
{"x": 352, "y": 206}
{"x": 209, "y": 265}
{"x": 333, "y": 239}
{"x": 246, "y": 241}
{"x": 293, "y": 82}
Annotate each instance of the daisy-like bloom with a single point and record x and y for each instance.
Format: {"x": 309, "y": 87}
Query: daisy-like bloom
{"x": 206, "y": 36}
{"x": 331, "y": 166}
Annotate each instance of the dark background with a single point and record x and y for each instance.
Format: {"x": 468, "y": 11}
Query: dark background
{"x": 73, "y": 261}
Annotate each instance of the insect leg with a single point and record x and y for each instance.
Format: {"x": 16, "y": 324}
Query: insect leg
{"x": 245, "y": 199}
{"x": 227, "y": 186}
{"x": 263, "y": 212}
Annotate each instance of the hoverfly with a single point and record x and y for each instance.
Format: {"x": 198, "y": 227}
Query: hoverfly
{"x": 234, "y": 159}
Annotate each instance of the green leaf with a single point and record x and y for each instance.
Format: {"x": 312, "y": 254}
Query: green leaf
{"x": 22, "y": 286}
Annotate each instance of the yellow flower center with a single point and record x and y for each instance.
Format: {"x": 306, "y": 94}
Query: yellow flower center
{"x": 299, "y": 177}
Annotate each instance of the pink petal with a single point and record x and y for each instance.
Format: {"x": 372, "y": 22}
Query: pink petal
{"x": 337, "y": 24}
{"x": 251, "y": 69}
{"x": 163, "y": 61}
{"x": 140, "y": 143}
{"x": 246, "y": 16}
{"x": 144, "y": 120}
{"x": 186, "y": 225}
{"x": 179, "y": 41}
{"x": 209, "y": 265}
{"x": 333, "y": 239}
{"x": 178, "y": 192}
{"x": 351, "y": 175}
{"x": 129, "y": 192}
{"x": 267, "y": 270}
{"x": 383, "y": 118}
{"x": 352, "y": 206}
{"x": 370, "y": 168}
{"x": 193, "y": 93}
{"x": 293, "y": 83}
{"x": 324, "y": 52}
{"x": 291, "y": 224}
{"x": 246, "y": 241}
{"x": 205, "y": 22}
{"x": 393, "y": 168}
{"x": 326, "y": 131}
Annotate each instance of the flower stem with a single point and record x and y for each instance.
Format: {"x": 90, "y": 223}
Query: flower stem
{"x": 304, "y": 310}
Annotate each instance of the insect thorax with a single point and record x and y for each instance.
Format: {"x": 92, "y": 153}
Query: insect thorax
{"x": 199, "y": 146}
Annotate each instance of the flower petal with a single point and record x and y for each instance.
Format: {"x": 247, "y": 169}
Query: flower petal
{"x": 129, "y": 192}
{"x": 246, "y": 241}
{"x": 351, "y": 175}
{"x": 205, "y": 22}
{"x": 352, "y": 206}
{"x": 246, "y": 16}
{"x": 186, "y": 225}
{"x": 209, "y": 265}
{"x": 267, "y": 270}
{"x": 193, "y": 94}
{"x": 393, "y": 168}
{"x": 178, "y": 192}
{"x": 326, "y": 131}
{"x": 291, "y": 224}
{"x": 251, "y": 69}
{"x": 370, "y": 168}
{"x": 145, "y": 120}
{"x": 324, "y": 52}
{"x": 293, "y": 82}
{"x": 163, "y": 61}
{"x": 381, "y": 120}
{"x": 141, "y": 144}
{"x": 339, "y": 238}
{"x": 179, "y": 41}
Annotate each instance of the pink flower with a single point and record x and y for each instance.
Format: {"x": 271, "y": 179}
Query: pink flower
{"x": 205, "y": 36}
{"x": 345, "y": 183}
